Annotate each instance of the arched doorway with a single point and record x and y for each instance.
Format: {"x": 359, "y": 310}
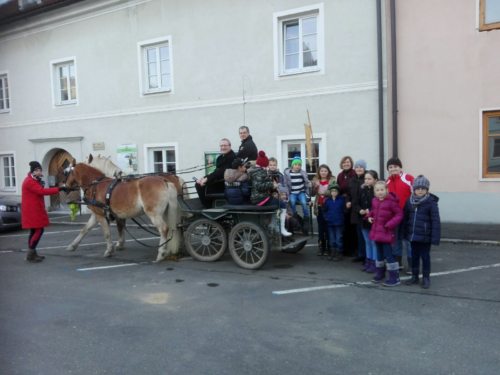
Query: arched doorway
{"x": 56, "y": 177}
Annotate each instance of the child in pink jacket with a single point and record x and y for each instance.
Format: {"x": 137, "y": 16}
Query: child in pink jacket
{"x": 385, "y": 216}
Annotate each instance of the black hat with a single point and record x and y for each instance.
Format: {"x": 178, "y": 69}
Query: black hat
{"x": 394, "y": 161}
{"x": 238, "y": 162}
{"x": 34, "y": 165}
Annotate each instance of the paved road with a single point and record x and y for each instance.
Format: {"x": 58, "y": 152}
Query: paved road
{"x": 299, "y": 314}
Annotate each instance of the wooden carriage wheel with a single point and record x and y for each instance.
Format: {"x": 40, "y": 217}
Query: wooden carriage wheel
{"x": 248, "y": 245}
{"x": 205, "y": 240}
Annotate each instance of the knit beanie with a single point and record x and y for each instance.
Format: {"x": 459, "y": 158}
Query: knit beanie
{"x": 421, "y": 182}
{"x": 394, "y": 161}
{"x": 333, "y": 186}
{"x": 360, "y": 163}
{"x": 262, "y": 160}
{"x": 34, "y": 165}
{"x": 296, "y": 160}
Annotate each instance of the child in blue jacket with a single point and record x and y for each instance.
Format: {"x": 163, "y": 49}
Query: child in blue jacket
{"x": 333, "y": 212}
{"x": 422, "y": 227}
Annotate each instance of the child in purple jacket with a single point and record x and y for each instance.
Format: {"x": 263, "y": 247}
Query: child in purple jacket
{"x": 385, "y": 216}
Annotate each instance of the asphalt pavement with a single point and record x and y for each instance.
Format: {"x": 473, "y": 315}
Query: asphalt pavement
{"x": 79, "y": 313}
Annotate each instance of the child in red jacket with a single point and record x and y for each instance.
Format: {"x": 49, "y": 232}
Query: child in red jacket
{"x": 400, "y": 183}
{"x": 385, "y": 216}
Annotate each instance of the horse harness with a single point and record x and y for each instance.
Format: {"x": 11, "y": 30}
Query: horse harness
{"x": 106, "y": 206}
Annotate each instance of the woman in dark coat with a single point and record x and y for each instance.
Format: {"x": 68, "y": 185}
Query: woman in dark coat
{"x": 343, "y": 180}
{"x": 33, "y": 214}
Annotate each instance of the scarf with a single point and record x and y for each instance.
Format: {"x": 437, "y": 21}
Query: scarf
{"x": 414, "y": 200}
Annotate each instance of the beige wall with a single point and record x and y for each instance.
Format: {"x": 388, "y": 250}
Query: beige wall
{"x": 448, "y": 72}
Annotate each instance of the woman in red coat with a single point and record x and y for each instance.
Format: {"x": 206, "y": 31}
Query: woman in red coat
{"x": 33, "y": 214}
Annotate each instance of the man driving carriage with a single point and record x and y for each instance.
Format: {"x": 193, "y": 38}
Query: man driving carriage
{"x": 213, "y": 183}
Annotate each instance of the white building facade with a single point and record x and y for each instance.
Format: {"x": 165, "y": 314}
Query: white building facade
{"x": 155, "y": 84}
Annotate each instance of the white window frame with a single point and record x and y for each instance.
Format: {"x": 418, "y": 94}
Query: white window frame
{"x": 4, "y": 76}
{"x": 56, "y": 88}
{"x": 300, "y": 138}
{"x": 142, "y": 62}
{"x": 14, "y": 184}
{"x": 148, "y": 154}
{"x": 279, "y": 20}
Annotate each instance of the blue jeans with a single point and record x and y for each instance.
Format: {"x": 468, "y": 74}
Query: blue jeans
{"x": 401, "y": 245}
{"x": 385, "y": 251}
{"x": 421, "y": 250}
{"x": 336, "y": 237}
{"x": 301, "y": 197}
{"x": 371, "y": 247}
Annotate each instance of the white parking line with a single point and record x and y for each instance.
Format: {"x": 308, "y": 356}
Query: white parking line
{"x": 44, "y": 233}
{"x": 345, "y": 285}
{"x": 92, "y": 244}
{"x": 107, "y": 267}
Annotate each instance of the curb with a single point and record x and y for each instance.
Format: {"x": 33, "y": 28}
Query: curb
{"x": 472, "y": 242}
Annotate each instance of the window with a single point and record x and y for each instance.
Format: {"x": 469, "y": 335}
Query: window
{"x": 299, "y": 35}
{"x": 161, "y": 159}
{"x": 4, "y": 93}
{"x": 64, "y": 74}
{"x": 489, "y": 14}
{"x": 8, "y": 172}
{"x": 292, "y": 147}
{"x": 491, "y": 144}
{"x": 156, "y": 66}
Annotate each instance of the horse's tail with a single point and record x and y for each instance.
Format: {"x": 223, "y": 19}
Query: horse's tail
{"x": 173, "y": 217}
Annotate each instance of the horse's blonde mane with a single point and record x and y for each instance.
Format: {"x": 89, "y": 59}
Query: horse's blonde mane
{"x": 105, "y": 165}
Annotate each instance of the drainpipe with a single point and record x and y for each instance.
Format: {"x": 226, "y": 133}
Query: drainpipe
{"x": 394, "y": 81}
{"x": 380, "y": 91}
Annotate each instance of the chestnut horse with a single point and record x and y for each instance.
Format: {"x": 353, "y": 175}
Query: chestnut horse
{"x": 106, "y": 166}
{"x": 132, "y": 197}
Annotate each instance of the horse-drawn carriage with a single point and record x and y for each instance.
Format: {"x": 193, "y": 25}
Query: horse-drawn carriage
{"x": 249, "y": 231}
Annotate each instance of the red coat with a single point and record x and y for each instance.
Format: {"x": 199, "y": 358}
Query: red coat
{"x": 33, "y": 213}
{"x": 386, "y": 216}
{"x": 401, "y": 186}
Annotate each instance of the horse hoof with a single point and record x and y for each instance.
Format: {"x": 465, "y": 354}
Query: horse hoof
{"x": 108, "y": 254}
{"x": 71, "y": 248}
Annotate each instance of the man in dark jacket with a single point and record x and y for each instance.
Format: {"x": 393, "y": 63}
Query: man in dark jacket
{"x": 248, "y": 149}
{"x": 213, "y": 183}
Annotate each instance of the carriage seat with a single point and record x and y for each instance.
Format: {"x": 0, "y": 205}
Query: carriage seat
{"x": 249, "y": 207}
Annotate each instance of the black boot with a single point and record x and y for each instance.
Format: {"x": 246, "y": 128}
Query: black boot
{"x": 412, "y": 281}
{"x": 32, "y": 257}
{"x": 321, "y": 248}
{"x": 305, "y": 226}
{"x": 41, "y": 257}
{"x": 426, "y": 282}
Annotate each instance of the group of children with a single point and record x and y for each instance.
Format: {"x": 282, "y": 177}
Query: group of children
{"x": 392, "y": 216}
{"x": 396, "y": 214}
